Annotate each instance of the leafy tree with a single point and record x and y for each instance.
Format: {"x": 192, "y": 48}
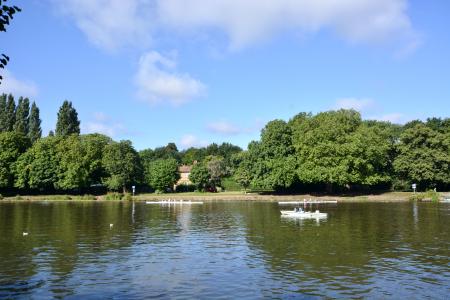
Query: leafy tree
{"x": 271, "y": 162}
{"x": 72, "y": 170}
{"x": 34, "y": 124}
{"x": 242, "y": 176}
{"x": 199, "y": 176}
{"x": 163, "y": 174}
{"x": 12, "y": 145}
{"x": 10, "y": 113}
{"x": 22, "y": 114}
{"x": 37, "y": 168}
{"x": 122, "y": 164}
{"x": 423, "y": 156}
{"x": 7, "y": 13}
{"x": 3, "y": 121}
{"x": 191, "y": 155}
{"x": 94, "y": 146}
{"x": 216, "y": 169}
{"x": 67, "y": 122}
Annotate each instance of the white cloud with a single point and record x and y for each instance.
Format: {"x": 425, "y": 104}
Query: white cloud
{"x": 111, "y": 24}
{"x": 12, "y": 85}
{"x": 249, "y": 21}
{"x": 359, "y": 104}
{"x": 114, "y": 23}
{"x": 103, "y": 124}
{"x": 190, "y": 140}
{"x": 158, "y": 81}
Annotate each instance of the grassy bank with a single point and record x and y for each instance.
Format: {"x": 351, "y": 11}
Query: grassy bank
{"x": 227, "y": 196}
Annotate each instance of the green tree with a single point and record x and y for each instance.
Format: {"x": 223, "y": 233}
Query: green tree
{"x": 10, "y": 113}
{"x": 37, "y": 168}
{"x": 34, "y": 124}
{"x": 216, "y": 169}
{"x": 242, "y": 177}
{"x": 424, "y": 156}
{"x": 22, "y": 114}
{"x": 163, "y": 174}
{"x": 12, "y": 145}
{"x": 72, "y": 170}
{"x": 67, "y": 122}
{"x": 199, "y": 176}
{"x": 271, "y": 162}
{"x": 3, "y": 121}
{"x": 94, "y": 146}
{"x": 121, "y": 162}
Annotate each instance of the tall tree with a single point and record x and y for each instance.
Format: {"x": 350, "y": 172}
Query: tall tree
{"x": 3, "y": 122}
{"x": 424, "y": 156}
{"x": 122, "y": 164}
{"x": 199, "y": 176}
{"x": 12, "y": 145}
{"x": 22, "y": 114}
{"x": 163, "y": 174}
{"x": 10, "y": 113}
{"x": 67, "y": 122}
{"x": 38, "y": 167}
{"x": 34, "y": 124}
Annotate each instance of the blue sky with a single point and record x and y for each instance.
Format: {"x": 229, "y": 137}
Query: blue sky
{"x": 195, "y": 72}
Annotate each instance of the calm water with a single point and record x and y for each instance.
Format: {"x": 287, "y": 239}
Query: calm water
{"x": 223, "y": 250}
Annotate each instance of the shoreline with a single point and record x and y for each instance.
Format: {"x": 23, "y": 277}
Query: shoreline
{"x": 225, "y": 196}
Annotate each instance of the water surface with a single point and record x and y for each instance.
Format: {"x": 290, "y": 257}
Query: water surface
{"x": 223, "y": 250}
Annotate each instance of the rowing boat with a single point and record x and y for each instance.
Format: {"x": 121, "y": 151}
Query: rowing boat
{"x": 303, "y": 214}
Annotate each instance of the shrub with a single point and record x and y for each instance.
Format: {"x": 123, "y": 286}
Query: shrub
{"x": 433, "y": 195}
{"x": 113, "y": 196}
{"x": 128, "y": 197}
{"x": 417, "y": 197}
{"x": 1, "y": 197}
{"x": 183, "y": 188}
{"x": 230, "y": 184}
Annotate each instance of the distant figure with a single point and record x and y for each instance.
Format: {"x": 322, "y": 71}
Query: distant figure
{"x": 25, "y": 233}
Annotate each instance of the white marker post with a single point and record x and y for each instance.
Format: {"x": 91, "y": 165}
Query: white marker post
{"x": 414, "y": 187}
{"x": 134, "y": 189}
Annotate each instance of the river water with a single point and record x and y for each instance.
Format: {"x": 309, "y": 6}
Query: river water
{"x": 229, "y": 250}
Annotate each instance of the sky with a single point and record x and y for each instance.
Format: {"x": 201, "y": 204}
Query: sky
{"x": 195, "y": 72}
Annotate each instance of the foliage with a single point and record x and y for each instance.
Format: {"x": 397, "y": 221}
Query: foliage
{"x": 37, "y": 168}
{"x": 163, "y": 174}
{"x": 122, "y": 164}
{"x": 67, "y": 122}
{"x": 12, "y": 145}
{"x": 34, "y": 124}
{"x": 113, "y": 196}
{"x": 22, "y": 113}
{"x": 230, "y": 184}
{"x": 7, "y": 13}
{"x": 199, "y": 176}
{"x": 423, "y": 156}
{"x": 242, "y": 177}
{"x": 216, "y": 169}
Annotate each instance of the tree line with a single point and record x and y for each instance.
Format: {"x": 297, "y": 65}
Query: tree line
{"x": 332, "y": 151}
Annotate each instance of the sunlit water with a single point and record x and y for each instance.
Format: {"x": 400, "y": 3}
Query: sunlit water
{"x": 230, "y": 250}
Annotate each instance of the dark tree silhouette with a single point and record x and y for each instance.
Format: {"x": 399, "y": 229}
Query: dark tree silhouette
{"x": 6, "y": 15}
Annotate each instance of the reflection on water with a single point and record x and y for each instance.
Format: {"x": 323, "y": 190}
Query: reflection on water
{"x": 223, "y": 250}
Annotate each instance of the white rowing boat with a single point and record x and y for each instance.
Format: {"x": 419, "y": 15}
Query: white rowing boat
{"x": 303, "y": 214}
{"x": 173, "y": 202}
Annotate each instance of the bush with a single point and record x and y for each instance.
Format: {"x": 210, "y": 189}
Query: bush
{"x": 183, "y": 188}
{"x": 128, "y": 197}
{"x": 1, "y": 197}
{"x": 114, "y": 196}
{"x": 400, "y": 185}
{"x": 230, "y": 184}
{"x": 87, "y": 197}
{"x": 433, "y": 195}
{"x": 417, "y": 197}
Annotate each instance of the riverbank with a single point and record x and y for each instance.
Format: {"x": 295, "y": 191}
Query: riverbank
{"x": 229, "y": 196}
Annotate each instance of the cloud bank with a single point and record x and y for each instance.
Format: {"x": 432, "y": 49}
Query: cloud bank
{"x": 12, "y": 85}
{"x": 115, "y": 23}
{"x": 158, "y": 81}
